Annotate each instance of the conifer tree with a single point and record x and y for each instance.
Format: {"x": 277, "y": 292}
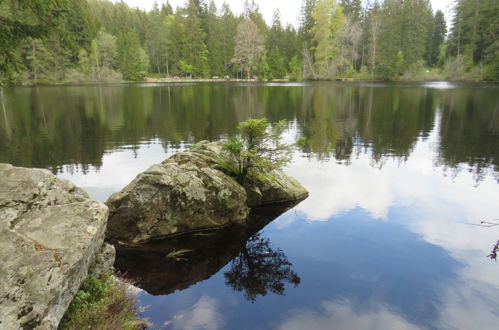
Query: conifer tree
{"x": 437, "y": 38}
{"x": 132, "y": 59}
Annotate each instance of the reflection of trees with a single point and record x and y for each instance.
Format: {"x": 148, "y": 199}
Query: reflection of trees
{"x": 469, "y": 132}
{"x": 393, "y": 118}
{"x": 259, "y": 269}
{"x": 54, "y": 126}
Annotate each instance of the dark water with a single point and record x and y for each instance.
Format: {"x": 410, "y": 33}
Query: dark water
{"x": 399, "y": 175}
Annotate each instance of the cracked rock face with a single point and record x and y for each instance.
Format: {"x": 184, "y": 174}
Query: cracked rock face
{"x": 50, "y": 232}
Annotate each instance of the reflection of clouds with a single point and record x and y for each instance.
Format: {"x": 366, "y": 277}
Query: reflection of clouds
{"x": 336, "y": 188}
{"x": 118, "y": 169}
{"x": 340, "y": 314}
{"x": 444, "y": 206}
{"x": 440, "y": 208}
{"x": 469, "y": 306}
{"x": 203, "y": 315}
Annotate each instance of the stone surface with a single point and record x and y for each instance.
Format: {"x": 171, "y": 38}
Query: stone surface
{"x": 50, "y": 232}
{"x": 182, "y": 194}
{"x": 104, "y": 260}
{"x": 190, "y": 192}
{"x": 278, "y": 187}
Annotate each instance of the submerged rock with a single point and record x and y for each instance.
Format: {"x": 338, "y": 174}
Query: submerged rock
{"x": 50, "y": 232}
{"x": 190, "y": 192}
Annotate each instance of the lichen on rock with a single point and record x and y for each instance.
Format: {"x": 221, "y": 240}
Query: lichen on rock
{"x": 50, "y": 232}
{"x": 190, "y": 192}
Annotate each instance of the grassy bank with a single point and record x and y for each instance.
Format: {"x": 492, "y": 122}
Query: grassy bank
{"x": 103, "y": 303}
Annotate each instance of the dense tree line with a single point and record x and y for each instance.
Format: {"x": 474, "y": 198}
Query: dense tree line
{"x": 98, "y": 40}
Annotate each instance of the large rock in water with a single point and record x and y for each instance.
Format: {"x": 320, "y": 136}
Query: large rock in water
{"x": 50, "y": 233}
{"x": 189, "y": 192}
{"x": 182, "y": 194}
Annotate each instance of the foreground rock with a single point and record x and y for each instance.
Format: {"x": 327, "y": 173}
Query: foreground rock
{"x": 50, "y": 234}
{"x": 189, "y": 192}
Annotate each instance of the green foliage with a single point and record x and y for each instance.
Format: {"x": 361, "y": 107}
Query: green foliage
{"x": 474, "y": 31}
{"x": 263, "y": 69}
{"x": 258, "y": 150}
{"x": 437, "y": 38}
{"x": 132, "y": 60}
{"x": 102, "y": 303}
{"x": 95, "y": 40}
{"x": 418, "y": 72}
{"x": 20, "y": 20}
{"x": 404, "y": 35}
{"x": 295, "y": 66}
{"x": 194, "y": 53}
{"x": 329, "y": 18}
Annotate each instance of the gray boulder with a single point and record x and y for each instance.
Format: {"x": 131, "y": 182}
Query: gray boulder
{"x": 190, "y": 192}
{"x": 50, "y": 232}
{"x": 275, "y": 187}
{"x": 184, "y": 193}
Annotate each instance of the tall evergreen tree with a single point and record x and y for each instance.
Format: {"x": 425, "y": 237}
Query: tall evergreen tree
{"x": 132, "y": 59}
{"x": 404, "y": 34}
{"x": 437, "y": 38}
{"x": 194, "y": 48}
{"x": 307, "y": 23}
{"x": 227, "y": 36}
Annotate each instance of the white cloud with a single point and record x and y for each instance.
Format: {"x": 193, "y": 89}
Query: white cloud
{"x": 340, "y": 314}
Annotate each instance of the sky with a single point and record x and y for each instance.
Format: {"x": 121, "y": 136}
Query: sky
{"x": 289, "y": 9}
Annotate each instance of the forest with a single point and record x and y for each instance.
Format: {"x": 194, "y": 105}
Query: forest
{"x": 73, "y": 41}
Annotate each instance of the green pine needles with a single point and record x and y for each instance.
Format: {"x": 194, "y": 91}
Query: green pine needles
{"x": 258, "y": 150}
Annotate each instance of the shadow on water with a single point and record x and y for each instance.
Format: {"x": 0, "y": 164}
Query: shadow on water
{"x": 257, "y": 268}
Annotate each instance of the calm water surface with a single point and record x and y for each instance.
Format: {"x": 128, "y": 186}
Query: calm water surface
{"x": 399, "y": 175}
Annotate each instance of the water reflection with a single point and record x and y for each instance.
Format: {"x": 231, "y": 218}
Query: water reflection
{"x": 177, "y": 263}
{"x": 259, "y": 269}
{"x": 204, "y": 314}
{"x": 53, "y": 126}
{"x": 397, "y": 173}
{"x": 470, "y": 132}
{"x": 340, "y": 314}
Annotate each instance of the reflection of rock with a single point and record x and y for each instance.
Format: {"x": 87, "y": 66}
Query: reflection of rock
{"x": 176, "y": 263}
{"x": 188, "y": 192}
{"x": 50, "y": 233}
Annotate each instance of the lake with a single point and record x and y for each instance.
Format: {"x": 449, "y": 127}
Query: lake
{"x": 400, "y": 175}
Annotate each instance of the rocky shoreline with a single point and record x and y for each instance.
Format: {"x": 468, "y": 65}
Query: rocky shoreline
{"x": 53, "y": 233}
{"x": 52, "y": 237}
